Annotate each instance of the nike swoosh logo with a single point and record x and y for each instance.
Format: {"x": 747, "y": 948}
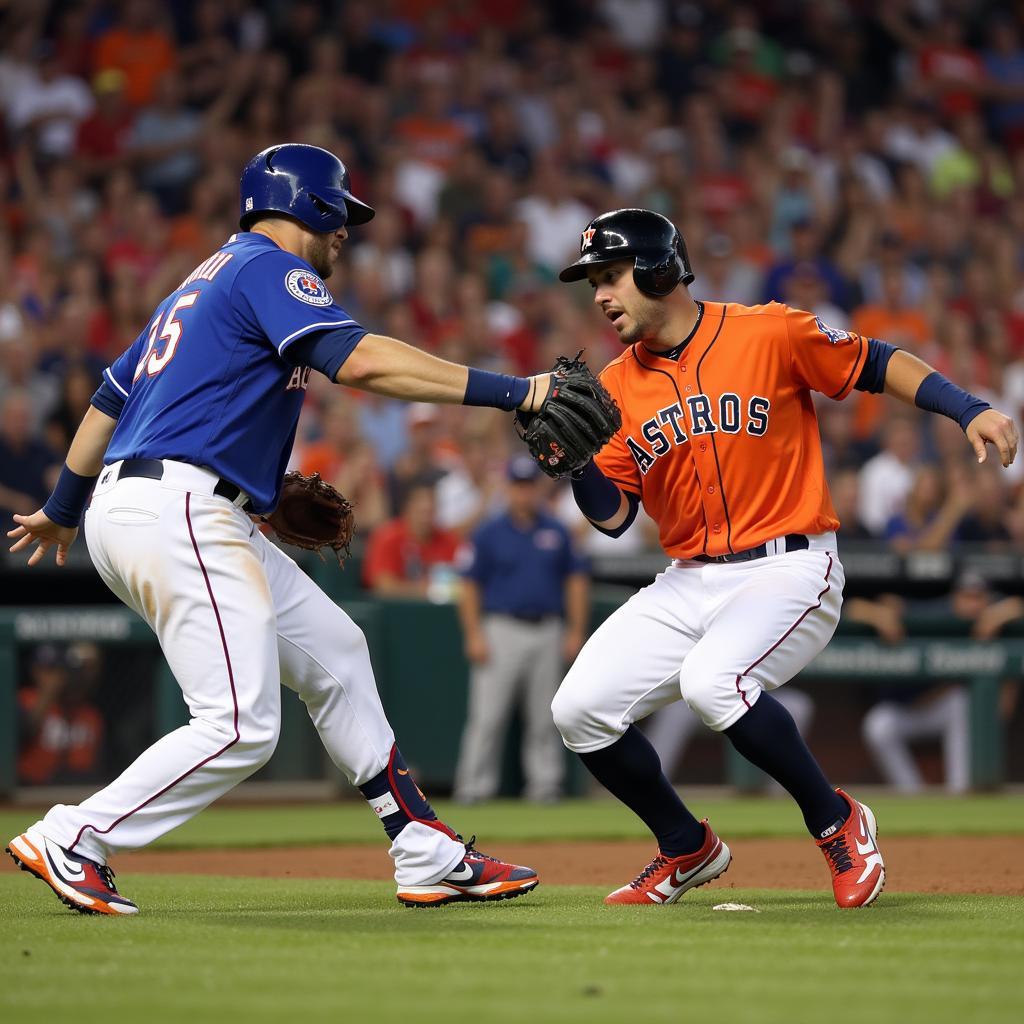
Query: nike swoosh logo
{"x": 402, "y": 771}
{"x": 865, "y": 844}
{"x": 62, "y": 868}
{"x": 463, "y": 873}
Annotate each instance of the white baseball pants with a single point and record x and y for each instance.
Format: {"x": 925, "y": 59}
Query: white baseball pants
{"x": 235, "y": 618}
{"x": 712, "y": 634}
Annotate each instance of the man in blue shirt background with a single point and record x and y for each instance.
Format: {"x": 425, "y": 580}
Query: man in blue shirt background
{"x": 523, "y": 607}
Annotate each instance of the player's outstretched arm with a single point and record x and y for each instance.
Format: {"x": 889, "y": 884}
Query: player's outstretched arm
{"x": 56, "y": 523}
{"x": 913, "y": 381}
{"x": 387, "y": 366}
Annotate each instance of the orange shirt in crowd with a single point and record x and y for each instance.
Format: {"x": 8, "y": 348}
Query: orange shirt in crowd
{"x": 392, "y": 549}
{"x": 142, "y": 56}
{"x": 904, "y": 328}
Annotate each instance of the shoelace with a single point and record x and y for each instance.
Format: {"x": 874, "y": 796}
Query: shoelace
{"x": 106, "y": 872}
{"x": 659, "y": 862}
{"x": 838, "y": 854}
{"x": 471, "y": 849}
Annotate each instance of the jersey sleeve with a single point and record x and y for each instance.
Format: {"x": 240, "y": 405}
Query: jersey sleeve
{"x": 823, "y": 358}
{"x": 119, "y": 376}
{"x": 284, "y": 300}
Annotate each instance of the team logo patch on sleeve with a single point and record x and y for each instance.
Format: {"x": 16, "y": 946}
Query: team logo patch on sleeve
{"x": 834, "y": 334}
{"x": 307, "y": 287}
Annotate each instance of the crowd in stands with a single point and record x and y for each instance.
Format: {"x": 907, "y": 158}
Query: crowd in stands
{"x": 865, "y": 162}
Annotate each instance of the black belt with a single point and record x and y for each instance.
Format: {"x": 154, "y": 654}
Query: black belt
{"x": 153, "y": 469}
{"x": 794, "y": 542}
{"x": 529, "y": 617}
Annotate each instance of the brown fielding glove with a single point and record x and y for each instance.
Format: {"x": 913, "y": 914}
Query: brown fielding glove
{"x": 575, "y": 421}
{"x": 313, "y": 515}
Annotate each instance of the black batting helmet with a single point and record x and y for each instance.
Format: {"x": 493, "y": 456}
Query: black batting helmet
{"x": 650, "y": 240}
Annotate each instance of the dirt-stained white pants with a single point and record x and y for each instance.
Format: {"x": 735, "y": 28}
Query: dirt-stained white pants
{"x": 235, "y": 618}
{"x": 712, "y": 634}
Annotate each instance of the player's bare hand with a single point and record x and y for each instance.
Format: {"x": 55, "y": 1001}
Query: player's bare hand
{"x": 992, "y": 427}
{"x": 38, "y": 529}
{"x": 534, "y": 399}
{"x": 572, "y": 642}
{"x": 477, "y": 650}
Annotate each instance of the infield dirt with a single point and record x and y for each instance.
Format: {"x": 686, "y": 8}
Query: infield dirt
{"x": 976, "y": 864}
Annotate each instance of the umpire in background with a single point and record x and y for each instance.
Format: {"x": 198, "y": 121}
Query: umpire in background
{"x": 524, "y": 604}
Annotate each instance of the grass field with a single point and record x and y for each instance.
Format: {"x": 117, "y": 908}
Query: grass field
{"x": 208, "y": 948}
{"x": 742, "y": 818}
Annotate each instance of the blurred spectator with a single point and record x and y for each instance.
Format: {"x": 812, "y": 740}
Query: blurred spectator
{"x": 60, "y": 731}
{"x": 1004, "y": 63}
{"x": 987, "y": 509}
{"x": 46, "y": 112}
{"x": 411, "y": 556}
{"x": 28, "y": 467}
{"x": 866, "y": 166}
{"x": 18, "y": 373}
{"x": 102, "y": 139}
{"x": 554, "y": 218}
{"x": 424, "y": 458}
{"x": 931, "y": 512}
{"x": 163, "y": 143}
{"x": 474, "y": 489}
{"x": 909, "y": 714}
{"x": 804, "y": 253}
{"x": 77, "y": 389}
{"x": 140, "y": 45}
{"x": 723, "y": 275}
{"x": 844, "y": 488}
{"x": 523, "y": 607}
{"x": 887, "y": 477}
{"x": 347, "y": 461}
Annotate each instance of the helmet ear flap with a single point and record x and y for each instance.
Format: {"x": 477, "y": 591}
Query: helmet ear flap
{"x": 659, "y": 278}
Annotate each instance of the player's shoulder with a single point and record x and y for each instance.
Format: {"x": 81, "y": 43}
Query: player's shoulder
{"x": 739, "y": 312}
{"x": 618, "y": 366}
{"x": 264, "y": 265}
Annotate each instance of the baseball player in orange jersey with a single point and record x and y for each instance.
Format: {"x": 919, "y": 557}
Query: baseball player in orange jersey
{"x": 719, "y": 441}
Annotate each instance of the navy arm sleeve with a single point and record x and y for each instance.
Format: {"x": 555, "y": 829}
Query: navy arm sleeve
{"x": 325, "y": 351}
{"x": 872, "y": 376}
{"x": 634, "y": 505}
{"x": 108, "y": 400}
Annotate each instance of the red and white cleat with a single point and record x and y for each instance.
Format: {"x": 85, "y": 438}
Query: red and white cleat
{"x": 477, "y": 878}
{"x": 79, "y": 883}
{"x": 858, "y": 871}
{"x": 665, "y": 879}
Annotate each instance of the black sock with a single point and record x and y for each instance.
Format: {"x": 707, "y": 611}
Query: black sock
{"x": 396, "y": 799}
{"x": 630, "y": 770}
{"x": 768, "y": 737}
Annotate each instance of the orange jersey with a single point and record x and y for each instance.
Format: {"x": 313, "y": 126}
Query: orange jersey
{"x": 722, "y": 445}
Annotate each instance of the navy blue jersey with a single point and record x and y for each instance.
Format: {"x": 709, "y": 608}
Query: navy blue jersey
{"x": 522, "y": 571}
{"x": 209, "y": 380}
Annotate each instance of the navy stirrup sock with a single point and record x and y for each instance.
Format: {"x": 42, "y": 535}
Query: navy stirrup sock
{"x": 396, "y": 799}
{"x": 631, "y": 771}
{"x": 768, "y": 737}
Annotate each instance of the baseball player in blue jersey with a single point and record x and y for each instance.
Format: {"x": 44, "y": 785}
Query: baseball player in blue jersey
{"x": 190, "y": 430}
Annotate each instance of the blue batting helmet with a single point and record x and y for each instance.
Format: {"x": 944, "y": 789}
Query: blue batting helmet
{"x": 305, "y": 182}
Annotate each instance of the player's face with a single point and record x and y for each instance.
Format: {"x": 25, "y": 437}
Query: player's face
{"x": 635, "y": 316}
{"x": 323, "y": 249}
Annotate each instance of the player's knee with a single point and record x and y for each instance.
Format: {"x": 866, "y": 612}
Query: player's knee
{"x": 258, "y": 743}
{"x": 573, "y": 719}
{"x": 703, "y": 692}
